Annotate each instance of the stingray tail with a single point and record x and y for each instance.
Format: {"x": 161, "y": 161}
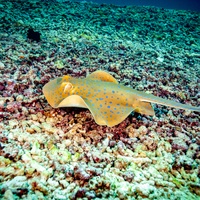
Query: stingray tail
{"x": 170, "y": 103}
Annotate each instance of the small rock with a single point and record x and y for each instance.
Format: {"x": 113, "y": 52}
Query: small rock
{"x": 2, "y": 66}
{"x": 178, "y": 144}
{"x": 19, "y": 98}
{"x": 8, "y": 195}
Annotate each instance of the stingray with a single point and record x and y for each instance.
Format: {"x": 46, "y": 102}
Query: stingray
{"x": 109, "y": 102}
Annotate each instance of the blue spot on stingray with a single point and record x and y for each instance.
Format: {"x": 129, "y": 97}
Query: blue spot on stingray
{"x": 106, "y": 96}
{"x": 108, "y": 106}
{"x": 88, "y": 93}
{"x": 110, "y": 102}
{"x": 100, "y": 98}
{"x": 101, "y": 105}
{"x": 113, "y": 91}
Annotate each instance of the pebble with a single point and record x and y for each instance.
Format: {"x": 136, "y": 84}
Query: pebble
{"x": 8, "y": 195}
{"x": 19, "y": 98}
{"x": 144, "y": 189}
{"x": 16, "y": 182}
{"x": 2, "y": 66}
{"x": 52, "y": 183}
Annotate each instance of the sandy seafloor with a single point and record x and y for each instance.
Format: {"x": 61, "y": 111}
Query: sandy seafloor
{"x": 48, "y": 153}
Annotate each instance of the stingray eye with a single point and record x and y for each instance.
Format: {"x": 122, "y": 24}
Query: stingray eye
{"x": 67, "y": 87}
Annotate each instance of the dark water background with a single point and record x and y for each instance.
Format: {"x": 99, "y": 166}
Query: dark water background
{"x": 170, "y": 4}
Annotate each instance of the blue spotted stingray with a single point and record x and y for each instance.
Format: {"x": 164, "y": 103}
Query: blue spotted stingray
{"x": 109, "y": 102}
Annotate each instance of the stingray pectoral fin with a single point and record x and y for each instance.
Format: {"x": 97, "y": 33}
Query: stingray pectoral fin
{"x": 95, "y": 113}
{"x": 73, "y": 101}
{"x": 103, "y": 116}
{"x": 77, "y": 101}
{"x": 144, "y": 108}
{"x": 51, "y": 92}
{"x": 102, "y": 76}
{"x": 118, "y": 118}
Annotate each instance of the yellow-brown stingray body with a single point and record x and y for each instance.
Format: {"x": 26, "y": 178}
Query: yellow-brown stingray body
{"x": 109, "y": 102}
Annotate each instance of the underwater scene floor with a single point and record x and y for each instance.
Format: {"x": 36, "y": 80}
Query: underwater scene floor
{"x": 61, "y": 153}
